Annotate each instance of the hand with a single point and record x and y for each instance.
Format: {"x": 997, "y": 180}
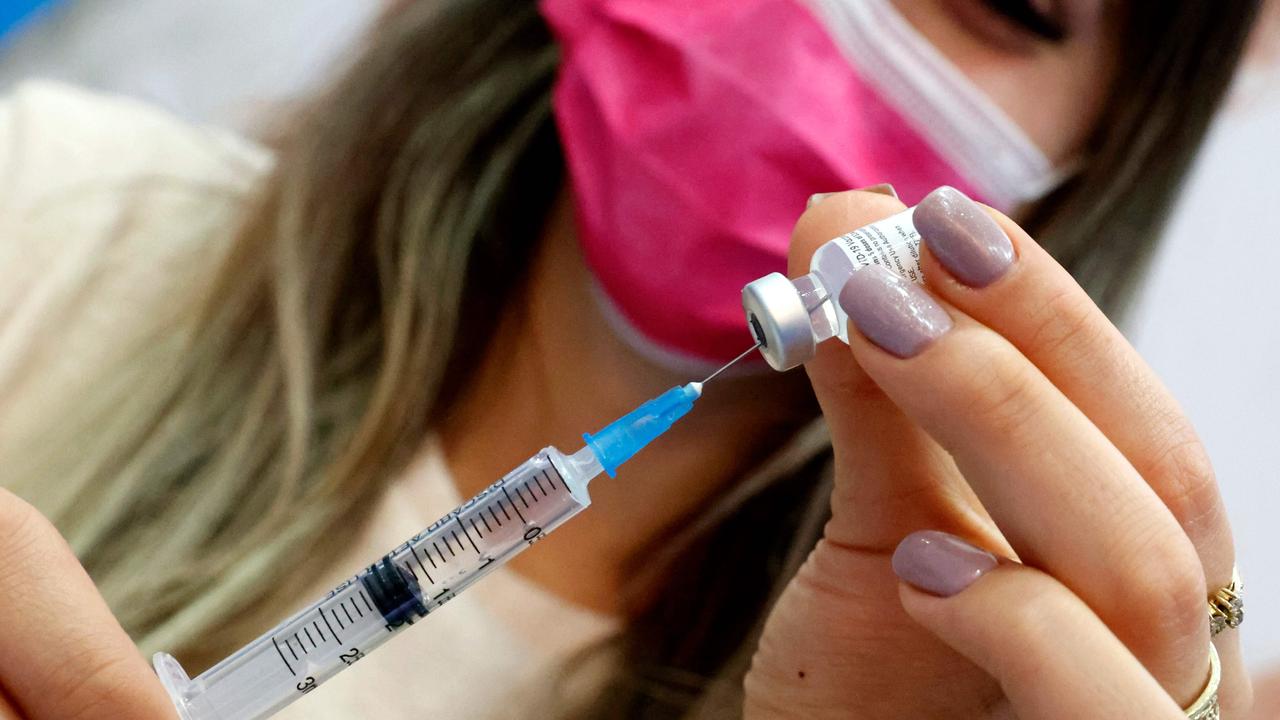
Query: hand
{"x": 998, "y": 404}
{"x": 63, "y": 656}
{"x": 1267, "y": 694}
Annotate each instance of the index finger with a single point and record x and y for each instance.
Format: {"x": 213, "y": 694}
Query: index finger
{"x": 1039, "y": 308}
{"x": 62, "y": 653}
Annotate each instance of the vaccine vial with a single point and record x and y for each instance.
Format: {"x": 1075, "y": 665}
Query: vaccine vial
{"x": 790, "y": 317}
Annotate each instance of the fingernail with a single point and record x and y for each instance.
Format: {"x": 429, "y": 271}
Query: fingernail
{"x": 892, "y": 312}
{"x": 940, "y": 563}
{"x": 963, "y": 237}
{"x": 882, "y": 189}
{"x": 814, "y": 199}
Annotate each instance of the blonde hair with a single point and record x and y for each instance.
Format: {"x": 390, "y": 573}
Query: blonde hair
{"x": 328, "y": 343}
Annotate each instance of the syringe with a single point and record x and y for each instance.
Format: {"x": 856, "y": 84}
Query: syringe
{"x": 418, "y": 576}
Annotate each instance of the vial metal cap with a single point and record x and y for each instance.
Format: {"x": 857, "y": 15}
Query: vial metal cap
{"x": 779, "y": 321}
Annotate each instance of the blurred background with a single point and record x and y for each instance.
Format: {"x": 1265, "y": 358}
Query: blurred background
{"x": 1208, "y": 317}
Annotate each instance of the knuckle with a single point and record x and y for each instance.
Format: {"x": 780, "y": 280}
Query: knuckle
{"x": 1041, "y": 612}
{"x": 1068, "y": 322}
{"x": 1001, "y": 393}
{"x": 1183, "y": 476}
{"x": 1164, "y": 590}
{"x": 104, "y": 685}
{"x": 1033, "y": 622}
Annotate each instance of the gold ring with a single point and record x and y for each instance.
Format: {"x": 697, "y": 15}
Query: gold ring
{"x": 1206, "y": 706}
{"x": 1226, "y": 605}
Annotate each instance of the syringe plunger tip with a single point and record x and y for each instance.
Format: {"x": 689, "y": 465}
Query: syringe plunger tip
{"x": 621, "y": 439}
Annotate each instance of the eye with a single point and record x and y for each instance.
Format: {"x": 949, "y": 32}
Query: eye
{"x": 1027, "y": 16}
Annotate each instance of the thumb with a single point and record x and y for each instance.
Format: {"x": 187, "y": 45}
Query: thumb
{"x": 891, "y": 478}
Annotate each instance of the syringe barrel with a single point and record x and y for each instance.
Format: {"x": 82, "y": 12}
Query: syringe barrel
{"x": 409, "y": 582}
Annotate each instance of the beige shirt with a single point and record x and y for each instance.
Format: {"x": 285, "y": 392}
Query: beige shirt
{"x": 493, "y": 652}
{"x": 86, "y": 264}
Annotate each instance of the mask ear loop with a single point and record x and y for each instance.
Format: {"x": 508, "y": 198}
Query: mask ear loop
{"x": 957, "y": 118}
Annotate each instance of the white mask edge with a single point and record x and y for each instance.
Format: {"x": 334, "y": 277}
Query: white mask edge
{"x": 960, "y": 121}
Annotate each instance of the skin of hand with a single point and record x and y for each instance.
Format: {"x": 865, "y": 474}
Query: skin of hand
{"x": 1026, "y": 425}
{"x": 63, "y": 656}
{"x": 1267, "y": 696}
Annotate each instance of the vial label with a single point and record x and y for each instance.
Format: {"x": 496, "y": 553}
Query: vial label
{"x": 892, "y": 242}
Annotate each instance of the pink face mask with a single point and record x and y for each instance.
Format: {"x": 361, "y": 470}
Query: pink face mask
{"x": 694, "y": 132}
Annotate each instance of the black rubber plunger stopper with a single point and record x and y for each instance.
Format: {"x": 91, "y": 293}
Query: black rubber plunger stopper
{"x": 395, "y": 592}
{"x": 758, "y": 331}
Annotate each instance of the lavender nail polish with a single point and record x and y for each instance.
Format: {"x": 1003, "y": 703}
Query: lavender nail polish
{"x": 963, "y": 237}
{"x": 940, "y": 563}
{"x": 892, "y": 312}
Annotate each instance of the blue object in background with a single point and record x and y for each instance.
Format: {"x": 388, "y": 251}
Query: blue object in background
{"x": 14, "y": 12}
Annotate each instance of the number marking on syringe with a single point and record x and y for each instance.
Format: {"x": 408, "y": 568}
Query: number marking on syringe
{"x": 447, "y": 544}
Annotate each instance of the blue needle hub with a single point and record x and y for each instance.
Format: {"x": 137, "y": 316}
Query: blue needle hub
{"x": 618, "y": 441}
